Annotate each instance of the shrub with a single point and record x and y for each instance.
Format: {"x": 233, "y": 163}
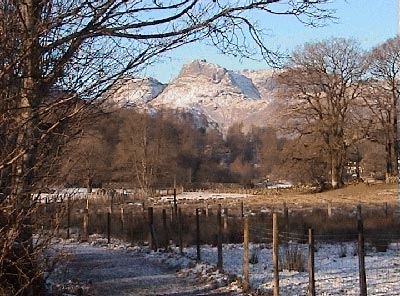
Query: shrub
{"x": 293, "y": 259}
{"x": 254, "y": 256}
{"x": 342, "y": 251}
{"x": 379, "y": 243}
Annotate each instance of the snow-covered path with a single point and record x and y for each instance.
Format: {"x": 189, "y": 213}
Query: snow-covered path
{"x": 104, "y": 271}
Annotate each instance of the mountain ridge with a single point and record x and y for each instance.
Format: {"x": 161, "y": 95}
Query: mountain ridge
{"x": 223, "y": 96}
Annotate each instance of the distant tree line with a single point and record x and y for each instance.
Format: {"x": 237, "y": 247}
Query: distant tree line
{"x": 337, "y": 109}
{"x": 341, "y": 104}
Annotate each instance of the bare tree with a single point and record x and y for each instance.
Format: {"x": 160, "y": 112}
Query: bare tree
{"x": 87, "y": 162}
{"x": 322, "y": 85}
{"x": 383, "y": 94}
{"x": 147, "y": 149}
{"x": 303, "y": 160}
{"x": 267, "y": 149}
{"x": 79, "y": 48}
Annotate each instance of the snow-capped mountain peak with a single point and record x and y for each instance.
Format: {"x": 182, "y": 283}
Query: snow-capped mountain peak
{"x": 208, "y": 90}
{"x": 200, "y": 82}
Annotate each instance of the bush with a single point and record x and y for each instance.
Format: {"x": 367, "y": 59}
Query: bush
{"x": 379, "y": 243}
{"x": 293, "y": 259}
{"x": 254, "y": 256}
{"x": 342, "y": 252}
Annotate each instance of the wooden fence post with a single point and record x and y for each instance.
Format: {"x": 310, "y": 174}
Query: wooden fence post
{"x": 108, "y": 227}
{"x": 361, "y": 253}
{"x": 246, "y": 282}
{"x": 225, "y": 219}
{"x": 132, "y": 224}
{"x": 165, "y": 229}
{"x": 122, "y": 220}
{"x": 311, "y": 272}
{"x": 85, "y": 224}
{"x": 219, "y": 239}
{"x": 111, "y": 202}
{"x": 241, "y": 209}
{"x": 286, "y": 223}
{"x": 386, "y": 209}
{"x": 152, "y": 239}
{"x": 180, "y": 226}
{"x": 57, "y": 224}
{"x": 275, "y": 253}
{"x": 175, "y": 204}
{"x": 68, "y": 216}
{"x": 198, "y": 234}
{"x": 329, "y": 208}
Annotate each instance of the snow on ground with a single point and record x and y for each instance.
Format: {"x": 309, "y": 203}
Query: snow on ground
{"x": 205, "y": 196}
{"x": 99, "y": 268}
{"x": 77, "y": 193}
{"x": 336, "y": 269}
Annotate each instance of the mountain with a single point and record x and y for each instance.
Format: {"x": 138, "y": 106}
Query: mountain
{"x": 130, "y": 92}
{"x": 225, "y": 97}
{"x": 207, "y": 90}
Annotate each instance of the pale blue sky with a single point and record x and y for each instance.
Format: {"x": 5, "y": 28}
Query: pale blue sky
{"x": 371, "y": 22}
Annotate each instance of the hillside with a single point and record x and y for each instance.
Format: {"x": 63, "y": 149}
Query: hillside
{"x": 134, "y": 92}
{"x": 207, "y": 90}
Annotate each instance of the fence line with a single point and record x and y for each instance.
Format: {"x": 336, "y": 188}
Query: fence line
{"x": 152, "y": 225}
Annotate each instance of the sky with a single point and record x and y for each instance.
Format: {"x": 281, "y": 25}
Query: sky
{"x": 371, "y": 22}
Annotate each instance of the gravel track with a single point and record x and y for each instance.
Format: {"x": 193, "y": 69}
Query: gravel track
{"x": 112, "y": 272}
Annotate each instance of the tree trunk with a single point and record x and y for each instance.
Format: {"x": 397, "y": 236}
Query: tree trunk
{"x": 89, "y": 184}
{"x": 27, "y": 140}
{"x": 396, "y": 136}
{"x": 389, "y": 157}
{"x": 336, "y": 169}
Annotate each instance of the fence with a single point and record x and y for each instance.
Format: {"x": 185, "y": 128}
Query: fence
{"x": 325, "y": 263}
{"x": 291, "y": 252}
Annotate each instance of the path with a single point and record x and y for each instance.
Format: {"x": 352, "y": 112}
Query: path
{"x": 120, "y": 273}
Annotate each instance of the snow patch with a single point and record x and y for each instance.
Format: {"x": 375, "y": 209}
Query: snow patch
{"x": 245, "y": 85}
